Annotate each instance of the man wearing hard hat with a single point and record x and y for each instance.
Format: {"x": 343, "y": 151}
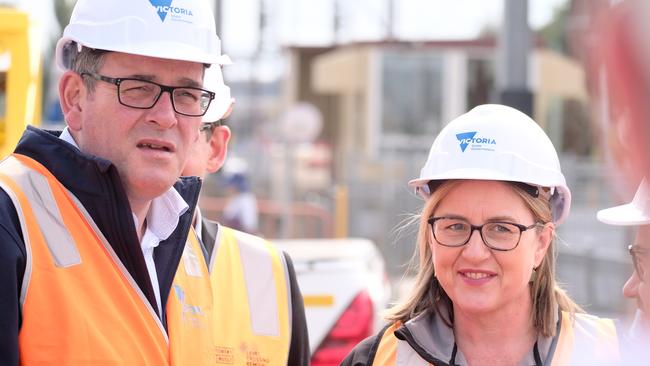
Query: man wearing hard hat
{"x": 96, "y": 262}
{"x": 616, "y": 42}
{"x": 636, "y": 213}
{"x": 257, "y": 300}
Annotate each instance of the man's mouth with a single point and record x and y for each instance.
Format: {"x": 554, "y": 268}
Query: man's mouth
{"x": 154, "y": 147}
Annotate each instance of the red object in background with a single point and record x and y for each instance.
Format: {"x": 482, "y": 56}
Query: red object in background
{"x": 353, "y": 326}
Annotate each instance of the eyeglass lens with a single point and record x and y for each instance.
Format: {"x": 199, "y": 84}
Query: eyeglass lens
{"x": 456, "y": 232}
{"x": 144, "y": 94}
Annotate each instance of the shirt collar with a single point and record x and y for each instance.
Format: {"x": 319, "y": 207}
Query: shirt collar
{"x": 165, "y": 212}
{"x": 67, "y": 137}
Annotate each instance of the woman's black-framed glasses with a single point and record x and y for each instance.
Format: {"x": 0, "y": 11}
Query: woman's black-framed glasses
{"x": 497, "y": 235}
{"x": 638, "y": 257}
{"x": 144, "y": 94}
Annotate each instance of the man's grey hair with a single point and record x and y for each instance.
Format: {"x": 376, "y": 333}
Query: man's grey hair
{"x": 87, "y": 60}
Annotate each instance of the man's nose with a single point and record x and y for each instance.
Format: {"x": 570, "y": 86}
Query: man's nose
{"x": 163, "y": 112}
{"x": 631, "y": 287}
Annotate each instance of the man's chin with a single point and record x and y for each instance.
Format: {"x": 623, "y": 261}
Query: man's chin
{"x": 150, "y": 187}
{"x": 640, "y": 327}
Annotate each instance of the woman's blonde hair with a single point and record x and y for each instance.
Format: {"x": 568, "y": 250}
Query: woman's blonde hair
{"x": 427, "y": 294}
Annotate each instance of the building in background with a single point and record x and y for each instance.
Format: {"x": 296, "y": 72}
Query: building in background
{"x": 383, "y": 103}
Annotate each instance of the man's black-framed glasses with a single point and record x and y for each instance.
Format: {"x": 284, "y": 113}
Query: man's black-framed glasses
{"x": 638, "y": 259}
{"x": 497, "y": 235}
{"x": 144, "y": 94}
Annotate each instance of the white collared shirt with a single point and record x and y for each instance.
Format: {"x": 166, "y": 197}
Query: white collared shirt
{"x": 162, "y": 219}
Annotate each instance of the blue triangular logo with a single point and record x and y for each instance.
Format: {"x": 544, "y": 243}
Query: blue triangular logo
{"x": 160, "y": 5}
{"x": 465, "y": 139}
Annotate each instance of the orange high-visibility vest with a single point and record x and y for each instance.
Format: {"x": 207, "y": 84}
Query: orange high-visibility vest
{"x": 583, "y": 340}
{"x": 80, "y": 306}
{"x": 252, "y": 324}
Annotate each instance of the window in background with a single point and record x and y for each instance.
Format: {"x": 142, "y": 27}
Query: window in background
{"x": 411, "y": 98}
{"x": 480, "y": 81}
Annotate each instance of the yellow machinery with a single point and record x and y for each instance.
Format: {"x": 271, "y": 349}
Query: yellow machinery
{"x": 20, "y": 77}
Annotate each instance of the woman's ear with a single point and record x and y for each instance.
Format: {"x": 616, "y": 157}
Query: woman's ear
{"x": 72, "y": 92}
{"x": 218, "y": 148}
{"x": 545, "y": 237}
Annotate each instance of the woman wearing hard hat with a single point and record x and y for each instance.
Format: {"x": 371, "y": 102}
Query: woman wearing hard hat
{"x": 485, "y": 292}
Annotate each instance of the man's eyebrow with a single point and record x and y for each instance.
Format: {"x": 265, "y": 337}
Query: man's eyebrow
{"x": 190, "y": 82}
{"x": 142, "y": 77}
{"x": 184, "y": 81}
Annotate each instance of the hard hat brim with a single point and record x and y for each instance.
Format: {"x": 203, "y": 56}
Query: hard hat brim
{"x": 623, "y": 215}
{"x": 481, "y": 174}
{"x": 560, "y": 204}
{"x": 174, "y": 51}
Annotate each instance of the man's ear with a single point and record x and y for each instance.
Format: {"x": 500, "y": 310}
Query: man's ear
{"x": 218, "y": 148}
{"x": 72, "y": 94}
{"x": 230, "y": 108}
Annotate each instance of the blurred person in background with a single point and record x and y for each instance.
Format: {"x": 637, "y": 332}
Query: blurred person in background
{"x": 485, "y": 291}
{"x": 617, "y": 49}
{"x": 240, "y": 211}
{"x": 636, "y": 213}
{"x": 272, "y": 327}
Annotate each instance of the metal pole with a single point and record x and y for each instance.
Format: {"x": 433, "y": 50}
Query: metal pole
{"x": 390, "y": 33}
{"x": 217, "y": 16}
{"x": 514, "y": 47}
{"x": 336, "y": 22}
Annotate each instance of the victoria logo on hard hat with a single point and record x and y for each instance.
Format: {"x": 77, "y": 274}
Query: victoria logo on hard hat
{"x": 164, "y": 8}
{"x": 477, "y": 143}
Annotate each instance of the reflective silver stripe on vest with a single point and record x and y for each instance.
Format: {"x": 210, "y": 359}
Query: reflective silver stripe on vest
{"x": 406, "y": 356}
{"x": 28, "y": 250}
{"x": 191, "y": 261}
{"x": 38, "y": 193}
{"x": 260, "y": 284}
{"x": 118, "y": 262}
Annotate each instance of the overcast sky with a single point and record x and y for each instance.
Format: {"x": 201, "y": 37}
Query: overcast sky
{"x": 310, "y": 22}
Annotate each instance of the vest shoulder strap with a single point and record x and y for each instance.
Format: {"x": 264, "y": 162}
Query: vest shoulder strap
{"x": 259, "y": 260}
{"x": 586, "y": 340}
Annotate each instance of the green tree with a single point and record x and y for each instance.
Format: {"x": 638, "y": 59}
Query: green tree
{"x": 554, "y": 33}
{"x": 63, "y": 9}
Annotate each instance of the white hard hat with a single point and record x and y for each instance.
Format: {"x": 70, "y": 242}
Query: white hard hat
{"x": 636, "y": 212}
{"x": 213, "y": 81}
{"x": 182, "y": 30}
{"x": 495, "y": 142}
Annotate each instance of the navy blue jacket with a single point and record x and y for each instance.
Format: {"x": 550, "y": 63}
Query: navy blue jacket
{"x": 96, "y": 183}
